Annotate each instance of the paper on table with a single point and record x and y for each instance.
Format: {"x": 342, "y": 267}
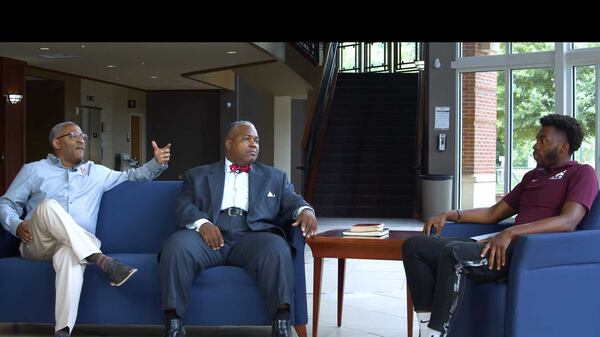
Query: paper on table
{"x": 484, "y": 236}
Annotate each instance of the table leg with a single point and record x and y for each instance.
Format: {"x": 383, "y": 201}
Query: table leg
{"x": 341, "y": 276}
{"x": 409, "y": 312}
{"x": 317, "y": 278}
{"x": 300, "y": 330}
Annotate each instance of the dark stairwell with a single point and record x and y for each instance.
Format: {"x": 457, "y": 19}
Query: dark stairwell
{"x": 367, "y": 165}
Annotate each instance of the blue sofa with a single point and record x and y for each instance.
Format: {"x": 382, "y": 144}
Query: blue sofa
{"x": 134, "y": 219}
{"x": 552, "y": 288}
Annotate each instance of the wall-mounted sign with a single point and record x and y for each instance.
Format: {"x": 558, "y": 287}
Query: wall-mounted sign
{"x": 90, "y": 98}
{"x": 131, "y": 103}
{"x": 442, "y": 118}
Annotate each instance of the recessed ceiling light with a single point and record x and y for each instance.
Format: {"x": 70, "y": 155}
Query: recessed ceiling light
{"x": 232, "y": 52}
{"x": 111, "y": 66}
{"x": 82, "y": 46}
{"x": 44, "y": 48}
{"x": 153, "y": 76}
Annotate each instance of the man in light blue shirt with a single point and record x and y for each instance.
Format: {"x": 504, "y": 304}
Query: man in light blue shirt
{"x": 61, "y": 196}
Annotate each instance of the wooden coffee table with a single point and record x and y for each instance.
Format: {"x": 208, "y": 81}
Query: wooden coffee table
{"x": 334, "y": 244}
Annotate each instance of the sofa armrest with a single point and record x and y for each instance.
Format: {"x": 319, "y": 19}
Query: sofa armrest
{"x": 547, "y": 250}
{"x": 553, "y": 279}
{"x": 471, "y": 229}
{"x": 300, "y": 307}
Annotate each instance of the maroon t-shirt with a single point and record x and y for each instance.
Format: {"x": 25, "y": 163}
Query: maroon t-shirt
{"x": 543, "y": 192}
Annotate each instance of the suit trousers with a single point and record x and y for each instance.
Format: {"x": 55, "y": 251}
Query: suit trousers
{"x": 265, "y": 256}
{"x": 57, "y": 237}
{"x": 436, "y": 268}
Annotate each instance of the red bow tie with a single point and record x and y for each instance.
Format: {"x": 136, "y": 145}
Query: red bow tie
{"x": 237, "y": 169}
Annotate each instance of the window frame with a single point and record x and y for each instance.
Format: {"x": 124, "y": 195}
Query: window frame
{"x": 562, "y": 60}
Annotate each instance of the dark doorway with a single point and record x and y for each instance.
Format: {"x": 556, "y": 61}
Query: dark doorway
{"x": 45, "y": 107}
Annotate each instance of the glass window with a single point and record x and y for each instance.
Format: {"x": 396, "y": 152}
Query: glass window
{"x": 350, "y": 56}
{"x": 408, "y": 52}
{"x": 483, "y": 149}
{"x": 578, "y": 45}
{"x": 531, "y": 47}
{"x": 482, "y": 48}
{"x": 376, "y": 56}
{"x": 532, "y": 98}
{"x": 585, "y": 111}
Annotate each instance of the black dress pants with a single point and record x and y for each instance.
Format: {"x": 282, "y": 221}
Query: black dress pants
{"x": 436, "y": 268}
{"x": 265, "y": 256}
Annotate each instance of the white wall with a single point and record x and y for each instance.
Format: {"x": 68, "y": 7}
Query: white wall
{"x": 282, "y": 147}
{"x": 112, "y": 99}
{"x": 121, "y": 120}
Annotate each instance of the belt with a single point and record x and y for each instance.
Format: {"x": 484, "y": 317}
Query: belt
{"x": 234, "y": 211}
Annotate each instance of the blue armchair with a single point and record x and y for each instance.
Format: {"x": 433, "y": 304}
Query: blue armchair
{"x": 552, "y": 287}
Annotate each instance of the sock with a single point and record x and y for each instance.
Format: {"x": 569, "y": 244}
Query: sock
{"x": 423, "y": 321}
{"x": 171, "y": 314}
{"x": 101, "y": 260}
{"x": 282, "y": 314}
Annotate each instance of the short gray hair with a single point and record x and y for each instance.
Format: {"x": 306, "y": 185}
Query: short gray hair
{"x": 56, "y": 129}
{"x": 235, "y": 124}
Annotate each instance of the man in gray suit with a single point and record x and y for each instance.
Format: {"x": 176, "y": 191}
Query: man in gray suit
{"x": 231, "y": 212}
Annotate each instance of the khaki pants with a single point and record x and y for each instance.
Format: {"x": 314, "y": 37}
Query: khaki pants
{"x": 57, "y": 237}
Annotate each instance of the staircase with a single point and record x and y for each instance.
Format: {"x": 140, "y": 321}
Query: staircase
{"x": 367, "y": 165}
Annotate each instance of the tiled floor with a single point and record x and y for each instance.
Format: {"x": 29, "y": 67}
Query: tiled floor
{"x": 374, "y": 300}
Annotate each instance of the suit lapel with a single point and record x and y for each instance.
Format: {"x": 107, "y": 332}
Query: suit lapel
{"x": 256, "y": 186}
{"x": 216, "y": 182}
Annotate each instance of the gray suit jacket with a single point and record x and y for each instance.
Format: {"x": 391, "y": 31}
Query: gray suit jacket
{"x": 202, "y": 194}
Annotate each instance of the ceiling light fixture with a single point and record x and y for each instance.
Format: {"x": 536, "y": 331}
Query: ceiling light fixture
{"x": 14, "y": 98}
{"x": 231, "y": 52}
{"x": 153, "y": 76}
{"x": 44, "y": 48}
{"x": 111, "y": 66}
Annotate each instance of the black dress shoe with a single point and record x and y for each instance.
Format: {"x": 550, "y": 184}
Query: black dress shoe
{"x": 174, "y": 328}
{"x": 281, "y": 328}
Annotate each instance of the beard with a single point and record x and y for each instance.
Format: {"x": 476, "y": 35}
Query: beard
{"x": 551, "y": 157}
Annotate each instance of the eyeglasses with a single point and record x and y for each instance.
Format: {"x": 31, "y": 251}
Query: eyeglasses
{"x": 73, "y": 135}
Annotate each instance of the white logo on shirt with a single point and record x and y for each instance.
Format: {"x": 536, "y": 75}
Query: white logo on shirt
{"x": 83, "y": 171}
{"x": 558, "y": 176}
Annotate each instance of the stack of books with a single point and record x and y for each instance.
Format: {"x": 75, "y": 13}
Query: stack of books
{"x": 368, "y": 229}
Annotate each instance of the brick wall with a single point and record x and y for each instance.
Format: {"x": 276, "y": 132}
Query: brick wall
{"x": 479, "y": 123}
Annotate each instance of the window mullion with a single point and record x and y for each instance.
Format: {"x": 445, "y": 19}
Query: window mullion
{"x": 596, "y": 152}
{"x": 508, "y": 129}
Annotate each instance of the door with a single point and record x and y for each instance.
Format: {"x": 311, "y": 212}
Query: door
{"x": 91, "y": 124}
{"x": 135, "y": 132}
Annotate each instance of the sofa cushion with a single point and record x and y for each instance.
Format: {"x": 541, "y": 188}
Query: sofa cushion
{"x": 136, "y": 217}
{"x": 223, "y": 295}
{"x": 27, "y": 291}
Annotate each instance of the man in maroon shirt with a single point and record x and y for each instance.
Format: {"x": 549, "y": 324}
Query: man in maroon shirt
{"x": 553, "y": 197}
